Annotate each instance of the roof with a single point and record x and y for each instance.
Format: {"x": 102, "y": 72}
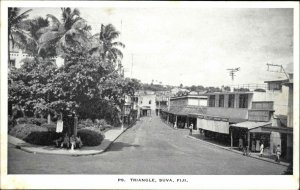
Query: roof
{"x": 227, "y": 92}
{"x": 236, "y": 120}
{"x": 189, "y": 96}
{"x": 185, "y": 110}
{"x": 279, "y": 80}
{"x": 251, "y": 124}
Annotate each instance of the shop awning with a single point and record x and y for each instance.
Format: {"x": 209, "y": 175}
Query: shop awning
{"x": 185, "y": 110}
{"x": 251, "y": 124}
{"x": 213, "y": 124}
{"x": 269, "y": 129}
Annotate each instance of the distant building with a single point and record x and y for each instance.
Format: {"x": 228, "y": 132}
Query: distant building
{"x": 18, "y": 55}
{"x": 145, "y": 102}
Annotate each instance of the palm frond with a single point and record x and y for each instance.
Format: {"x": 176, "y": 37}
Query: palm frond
{"x": 114, "y": 44}
{"x": 53, "y": 18}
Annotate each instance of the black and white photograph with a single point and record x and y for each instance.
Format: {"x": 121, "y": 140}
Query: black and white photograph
{"x": 147, "y": 95}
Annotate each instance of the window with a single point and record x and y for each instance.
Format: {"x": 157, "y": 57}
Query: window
{"x": 221, "y": 101}
{"x": 149, "y": 101}
{"x": 231, "y": 101}
{"x": 211, "y": 102}
{"x": 275, "y": 86}
{"x": 243, "y": 101}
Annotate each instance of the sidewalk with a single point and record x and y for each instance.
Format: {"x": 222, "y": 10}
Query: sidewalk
{"x": 253, "y": 155}
{"x": 110, "y": 137}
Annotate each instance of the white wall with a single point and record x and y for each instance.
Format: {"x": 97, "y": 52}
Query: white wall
{"x": 197, "y": 102}
{"x": 144, "y": 101}
{"x": 280, "y": 99}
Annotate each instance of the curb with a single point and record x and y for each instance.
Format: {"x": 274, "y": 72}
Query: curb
{"x": 94, "y": 152}
{"x": 237, "y": 152}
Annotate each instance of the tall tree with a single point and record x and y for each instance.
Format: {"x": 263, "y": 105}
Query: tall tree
{"x": 33, "y": 26}
{"x": 108, "y": 47}
{"x": 69, "y": 34}
{"x": 16, "y": 28}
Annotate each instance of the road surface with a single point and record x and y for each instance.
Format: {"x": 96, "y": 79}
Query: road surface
{"x": 149, "y": 147}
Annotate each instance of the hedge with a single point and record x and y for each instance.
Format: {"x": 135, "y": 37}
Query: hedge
{"x": 90, "y": 136}
{"x": 50, "y": 127}
{"x": 44, "y": 138}
{"x": 21, "y": 131}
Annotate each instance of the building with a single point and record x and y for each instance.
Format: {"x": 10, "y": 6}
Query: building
{"x": 145, "y": 103}
{"x": 183, "y": 110}
{"x": 254, "y": 117}
{"x": 162, "y": 100}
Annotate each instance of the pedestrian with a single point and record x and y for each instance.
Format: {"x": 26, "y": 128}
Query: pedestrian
{"x": 278, "y": 153}
{"x": 261, "y": 149}
{"x": 191, "y": 129}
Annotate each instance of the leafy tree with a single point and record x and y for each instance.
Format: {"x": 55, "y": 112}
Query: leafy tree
{"x": 31, "y": 86}
{"x": 16, "y": 33}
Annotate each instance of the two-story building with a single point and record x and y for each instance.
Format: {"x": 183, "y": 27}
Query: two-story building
{"x": 183, "y": 110}
{"x": 254, "y": 117}
{"x": 145, "y": 103}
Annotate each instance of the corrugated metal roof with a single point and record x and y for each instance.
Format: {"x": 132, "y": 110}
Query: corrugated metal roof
{"x": 251, "y": 124}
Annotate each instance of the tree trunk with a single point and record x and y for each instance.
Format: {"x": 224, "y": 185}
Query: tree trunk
{"x": 8, "y": 57}
{"x": 49, "y": 118}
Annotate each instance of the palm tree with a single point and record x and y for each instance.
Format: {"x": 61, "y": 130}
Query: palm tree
{"x": 33, "y": 26}
{"x": 107, "y": 47}
{"x": 69, "y": 35}
{"x": 16, "y": 29}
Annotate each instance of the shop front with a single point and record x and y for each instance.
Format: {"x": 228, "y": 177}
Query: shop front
{"x": 256, "y": 133}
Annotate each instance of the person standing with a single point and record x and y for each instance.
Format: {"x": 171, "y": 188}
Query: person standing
{"x": 278, "y": 153}
{"x": 261, "y": 149}
{"x": 191, "y": 129}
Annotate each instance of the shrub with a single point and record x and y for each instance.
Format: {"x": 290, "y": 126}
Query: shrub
{"x": 50, "y": 127}
{"x": 90, "y": 137}
{"x": 23, "y": 130}
{"x": 86, "y": 123}
{"x": 31, "y": 120}
{"x": 11, "y": 123}
{"x": 42, "y": 137}
{"x": 22, "y": 120}
{"x": 37, "y": 121}
{"x": 259, "y": 90}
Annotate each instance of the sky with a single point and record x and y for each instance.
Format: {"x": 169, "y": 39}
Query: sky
{"x": 196, "y": 46}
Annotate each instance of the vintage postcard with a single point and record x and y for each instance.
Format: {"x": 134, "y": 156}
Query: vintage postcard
{"x": 149, "y": 95}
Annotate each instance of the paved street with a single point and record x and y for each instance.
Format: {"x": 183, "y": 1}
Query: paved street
{"x": 150, "y": 147}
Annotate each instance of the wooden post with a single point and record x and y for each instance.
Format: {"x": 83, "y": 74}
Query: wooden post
{"x": 168, "y": 118}
{"x": 248, "y": 138}
{"x": 231, "y": 138}
{"x": 75, "y": 125}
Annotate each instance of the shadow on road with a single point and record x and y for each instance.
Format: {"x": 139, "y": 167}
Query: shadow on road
{"x": 117, "y": 146}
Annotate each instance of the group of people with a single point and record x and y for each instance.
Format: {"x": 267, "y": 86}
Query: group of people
{"x": 68, "y": 142}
